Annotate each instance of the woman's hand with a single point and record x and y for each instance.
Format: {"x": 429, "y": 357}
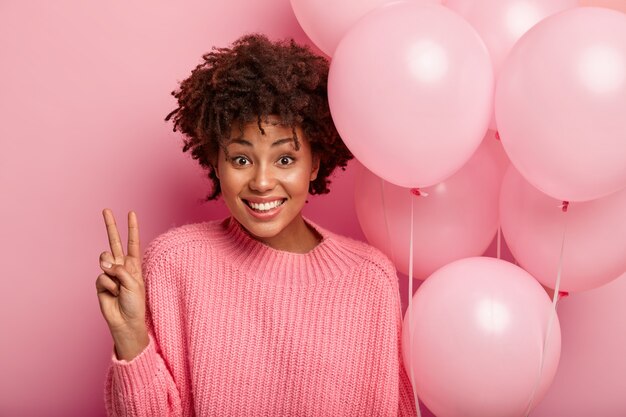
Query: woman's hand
{"x": 121, "y": 290}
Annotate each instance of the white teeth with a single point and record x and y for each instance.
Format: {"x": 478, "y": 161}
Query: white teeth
{"x": 265, "y": 206}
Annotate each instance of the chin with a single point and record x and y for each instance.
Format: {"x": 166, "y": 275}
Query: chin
{"x": 262, "y": 226}
{"x": 264, "y": 229}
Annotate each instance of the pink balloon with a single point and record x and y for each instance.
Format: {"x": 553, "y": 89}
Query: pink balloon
{"x": 619, "y": 5}
{"x": 326, "y": 21}
{"x": 479, "y": 326}
{"x": 410, "y": 91}
{"x": 594, "y": 251}
{"x": 457, "y": 219}
{"x": 561, "y": 104}
{"x": 590, "y": 379}
{"x": 501, "y": 23}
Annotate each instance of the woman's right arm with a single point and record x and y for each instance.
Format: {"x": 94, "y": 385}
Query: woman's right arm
{"x": 142, "y": 386}
{"x": 138, "y": 383}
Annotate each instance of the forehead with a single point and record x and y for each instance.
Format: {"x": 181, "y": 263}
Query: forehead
{"x": 273, "y": 130}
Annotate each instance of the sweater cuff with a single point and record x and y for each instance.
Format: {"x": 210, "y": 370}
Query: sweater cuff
{"x": 134, "y": 375}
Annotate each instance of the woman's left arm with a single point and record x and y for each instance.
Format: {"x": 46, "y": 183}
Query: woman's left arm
{"x": 386, "y": 268}
{"x": 406, "y": 399}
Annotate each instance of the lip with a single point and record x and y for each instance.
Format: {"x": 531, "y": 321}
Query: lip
{"x": 268, "y": 214}
{"x": 263, "y": 200}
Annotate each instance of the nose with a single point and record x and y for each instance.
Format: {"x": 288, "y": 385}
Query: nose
{"x": 263, "y": 179}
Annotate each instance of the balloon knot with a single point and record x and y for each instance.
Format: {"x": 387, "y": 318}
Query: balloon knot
{"x": 497, "y": 135}
{"x": 418, "y": 192}
{"x": 564, "y": 206}
{"x": 563, "y": 294}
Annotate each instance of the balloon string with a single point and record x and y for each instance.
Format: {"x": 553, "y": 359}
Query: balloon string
{"x": 382, "y": 197}
{"x": 499, "y": 239}
{"x": 417, "y": 406}
{"x": 555, "y": 297}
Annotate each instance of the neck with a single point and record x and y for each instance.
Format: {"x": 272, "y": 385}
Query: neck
{"x": 297, "y": 237}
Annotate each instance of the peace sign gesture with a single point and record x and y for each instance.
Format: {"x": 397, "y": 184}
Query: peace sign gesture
{"x": 121, "y": 290}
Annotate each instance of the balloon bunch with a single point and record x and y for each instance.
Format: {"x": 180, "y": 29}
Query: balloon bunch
{"x": 466, "y": 117}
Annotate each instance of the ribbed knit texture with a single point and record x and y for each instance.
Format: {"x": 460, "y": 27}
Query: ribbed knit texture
{"x": 238, "y": 328}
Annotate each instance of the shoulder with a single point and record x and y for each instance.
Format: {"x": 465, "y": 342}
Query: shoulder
{"x": 165, "y": 245}
{"x": 376, "y": 273}
{"x": 380, "y": 264}
{"x": 372, "y": 260}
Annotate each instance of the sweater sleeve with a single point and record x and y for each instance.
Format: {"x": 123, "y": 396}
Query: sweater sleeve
{"x": 145, "y": 386}
{"x": 406, "y": 399}
{"x": 142, "y": 386}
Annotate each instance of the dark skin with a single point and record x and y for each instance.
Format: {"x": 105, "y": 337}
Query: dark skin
{"x": 121, "y": 290}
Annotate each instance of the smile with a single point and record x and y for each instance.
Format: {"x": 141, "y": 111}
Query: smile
{"x": 265, "y": 207}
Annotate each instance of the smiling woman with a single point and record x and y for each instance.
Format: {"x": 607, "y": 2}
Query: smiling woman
{"x": 260, "y": 99}
{"x": 264, "y": 181}
{"x": 263, "y": 312}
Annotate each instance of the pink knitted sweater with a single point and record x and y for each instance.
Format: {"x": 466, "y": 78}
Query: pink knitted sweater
{"x": 238, "y": 328}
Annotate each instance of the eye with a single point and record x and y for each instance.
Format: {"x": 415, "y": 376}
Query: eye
{"x": 237, "y": 160}
{"x": 289, "y": 160}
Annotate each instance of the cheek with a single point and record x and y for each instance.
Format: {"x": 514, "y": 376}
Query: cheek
{"x": 229, "y": 182}
{"x": 298, "y": 179}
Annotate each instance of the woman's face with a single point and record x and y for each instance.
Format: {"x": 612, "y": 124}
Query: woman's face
{"x": 267, "y": 170}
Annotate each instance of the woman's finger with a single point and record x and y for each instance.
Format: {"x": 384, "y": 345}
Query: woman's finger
{"x": 120, "y": 272}
{"x": 133, "y": 235}
{"x": 114, "y": 237}
{"x": 106, "y": 260}
{"x": 105, "y": 283}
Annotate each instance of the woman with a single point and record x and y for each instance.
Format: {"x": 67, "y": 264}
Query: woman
{"x": 263, "y": 312}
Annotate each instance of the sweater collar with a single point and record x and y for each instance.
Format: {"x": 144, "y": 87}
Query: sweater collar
{"x": 333, "y": 256}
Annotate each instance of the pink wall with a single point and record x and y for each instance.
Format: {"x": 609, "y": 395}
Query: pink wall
{"x": 84, "y": 88}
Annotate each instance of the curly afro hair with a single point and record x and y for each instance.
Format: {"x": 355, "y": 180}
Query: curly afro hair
{"x": 249, "y": 81}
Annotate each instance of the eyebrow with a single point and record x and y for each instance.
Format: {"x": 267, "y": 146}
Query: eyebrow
{"x": 247, "y": 143}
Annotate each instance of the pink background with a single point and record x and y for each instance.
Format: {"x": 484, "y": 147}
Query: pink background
{"x": 84, "y": 89}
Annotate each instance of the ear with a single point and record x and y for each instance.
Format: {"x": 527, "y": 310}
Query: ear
{"x": 316, "y": 167}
